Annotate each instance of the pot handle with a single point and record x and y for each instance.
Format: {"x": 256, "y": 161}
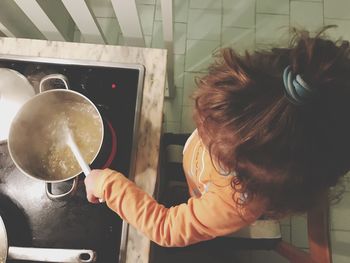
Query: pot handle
{"x": 52, "y": 254}
{"x": 61, "y": 77}
{"x": 52, "y": 196}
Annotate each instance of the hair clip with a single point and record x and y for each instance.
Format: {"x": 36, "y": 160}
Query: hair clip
{"x": 297, "y": 90}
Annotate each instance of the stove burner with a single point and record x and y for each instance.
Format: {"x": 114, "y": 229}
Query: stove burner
{"x": 113, "y": 146}
{"x": 108, "y": 150}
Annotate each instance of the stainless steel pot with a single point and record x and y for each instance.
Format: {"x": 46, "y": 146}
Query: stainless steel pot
{"x": 42, "y": 254}
{"x": 36, "y": 144}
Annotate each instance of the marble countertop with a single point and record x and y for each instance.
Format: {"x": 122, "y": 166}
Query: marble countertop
{"x": 154, "y": 60}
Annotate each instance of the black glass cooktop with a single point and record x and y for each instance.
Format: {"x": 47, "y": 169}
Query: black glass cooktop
{"x": 34, "y": 220}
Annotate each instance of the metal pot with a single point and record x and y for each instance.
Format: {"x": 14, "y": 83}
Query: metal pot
{"x": 41, "y": 254}
{"x": 15, "y": 90}
{"x": 36, "y": 143}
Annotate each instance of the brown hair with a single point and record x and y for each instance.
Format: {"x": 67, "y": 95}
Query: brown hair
{"x": 288, "y": 155}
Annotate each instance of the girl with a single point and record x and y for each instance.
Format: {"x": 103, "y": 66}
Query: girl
{"x": 272, "y": 136}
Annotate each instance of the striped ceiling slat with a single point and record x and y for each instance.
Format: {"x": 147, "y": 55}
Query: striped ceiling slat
{"x": 129, "y": 22}
{"x": 39, "y": 18}
{"x": 85, "y": 21}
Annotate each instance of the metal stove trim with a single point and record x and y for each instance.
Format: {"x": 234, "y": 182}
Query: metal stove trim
{"x": 78, "y": 62}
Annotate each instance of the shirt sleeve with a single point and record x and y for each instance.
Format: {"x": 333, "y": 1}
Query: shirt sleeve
{"x": 197, "y": 220}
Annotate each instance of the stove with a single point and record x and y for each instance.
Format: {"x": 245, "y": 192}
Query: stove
{"x": 34, "y": 220}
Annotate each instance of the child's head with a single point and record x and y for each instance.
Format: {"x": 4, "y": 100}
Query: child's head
{"x": 287, "y": 152}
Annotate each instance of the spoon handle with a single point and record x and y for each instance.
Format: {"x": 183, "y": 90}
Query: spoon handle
{"x": 84, "y": 166}
{"x": 78, "y": 156}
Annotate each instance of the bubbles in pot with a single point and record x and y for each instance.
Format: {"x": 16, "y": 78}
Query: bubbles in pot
{"x": 81, "y": 120}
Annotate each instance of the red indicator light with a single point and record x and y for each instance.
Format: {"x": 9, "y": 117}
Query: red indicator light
{"x": 114, "y": 85}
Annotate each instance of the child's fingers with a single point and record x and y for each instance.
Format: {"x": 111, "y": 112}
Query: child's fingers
{"x": 92, "y": 199}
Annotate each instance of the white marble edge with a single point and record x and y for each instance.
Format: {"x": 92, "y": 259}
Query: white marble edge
{"x": 154, "y": 61}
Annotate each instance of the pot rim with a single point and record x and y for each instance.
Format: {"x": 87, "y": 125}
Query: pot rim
{"x": 43, "y": 94}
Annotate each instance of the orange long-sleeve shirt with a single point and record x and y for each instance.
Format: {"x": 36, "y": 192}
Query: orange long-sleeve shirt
{"x": 209, "y": 213}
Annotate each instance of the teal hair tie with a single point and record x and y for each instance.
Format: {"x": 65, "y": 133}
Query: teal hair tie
{"x": 297, "y": 90}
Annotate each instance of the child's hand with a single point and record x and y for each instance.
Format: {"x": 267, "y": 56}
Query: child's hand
{"x": 92, "y": 183}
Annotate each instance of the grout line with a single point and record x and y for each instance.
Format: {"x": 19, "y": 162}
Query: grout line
{"x": 180, "y": 23}
{"x": 209, "y": 40}
{"x": 199, "y": 8}
{"x": 184, "y": 71}
{"x": 341, "y": 19}
{"x": 154, "y": 18}
{"x": 323, "y": 18}
{"x": 153, "y": 26}
{"x": 222, "y": 24}
{"x": 341, "y": 230}
{"x": 289, "y": 26}
{"x": 255, "y": 25}
{"x": 273, "y": 14}
{"x": 239, "y": 27}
